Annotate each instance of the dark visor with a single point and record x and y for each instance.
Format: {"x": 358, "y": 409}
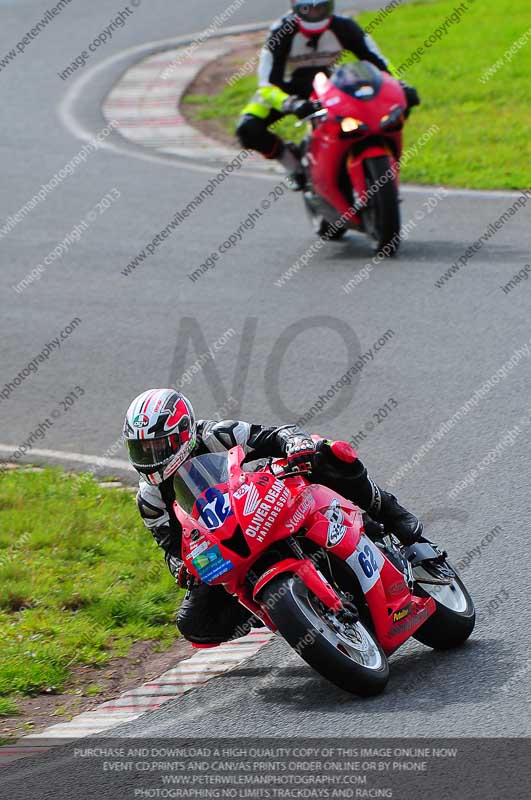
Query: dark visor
{"x": 155, "y": 452}
{"x": 313, "y": 13}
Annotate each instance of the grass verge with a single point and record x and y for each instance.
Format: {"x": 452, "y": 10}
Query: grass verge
{"x": 81, "y": 581}
{"x": 484, "y": 124}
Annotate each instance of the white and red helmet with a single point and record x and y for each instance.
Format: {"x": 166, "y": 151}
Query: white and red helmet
{"x": 313, "y": 16}
{"x": 159, "y": 433}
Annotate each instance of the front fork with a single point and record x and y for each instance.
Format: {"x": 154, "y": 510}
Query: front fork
{"x": 356, "y": 171}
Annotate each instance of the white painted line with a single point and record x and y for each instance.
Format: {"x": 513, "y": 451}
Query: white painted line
{"x": 491, "y": 194}
{"x": 76, "y": 458}
{"x": 158, "y": 128}
{"x": 79, "y": 85}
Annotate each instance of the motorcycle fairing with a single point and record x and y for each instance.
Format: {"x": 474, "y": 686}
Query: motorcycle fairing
{"x": 332, "y": 522}
{"x": 328, "y": 154}
{"x": 376, "y": 575}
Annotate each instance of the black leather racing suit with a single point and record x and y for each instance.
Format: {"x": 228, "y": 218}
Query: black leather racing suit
{"x": 289, "y": 61}
{"x": 208, "y": 615}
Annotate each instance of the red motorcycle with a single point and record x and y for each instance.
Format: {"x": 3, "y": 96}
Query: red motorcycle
{"x": 351, "y": 158}
{"x": 300, "y": 558}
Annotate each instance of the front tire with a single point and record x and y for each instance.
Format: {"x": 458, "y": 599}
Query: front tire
{"x": 455, "y": 617}
{"x": 347, "y": 655}
{"x": 381, "y": 215}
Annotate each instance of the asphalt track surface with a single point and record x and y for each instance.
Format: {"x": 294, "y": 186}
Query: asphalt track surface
{"x": 446, "y": 343}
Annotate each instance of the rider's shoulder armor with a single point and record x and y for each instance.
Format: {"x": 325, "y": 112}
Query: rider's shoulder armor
{"x": 215, "y": 436}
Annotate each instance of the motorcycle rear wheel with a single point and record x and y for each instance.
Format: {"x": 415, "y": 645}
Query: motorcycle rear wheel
{"x": 348, "y": 656}
{"x": 381, "y": 215}
{"x": 455, "y": 617}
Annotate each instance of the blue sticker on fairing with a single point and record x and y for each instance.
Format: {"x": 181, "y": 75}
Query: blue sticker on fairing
{"x": 211, "y": 564}
{"x": 214, "y": 507}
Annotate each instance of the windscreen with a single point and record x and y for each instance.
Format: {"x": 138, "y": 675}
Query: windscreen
{"x": 198, "y": 474}
{"x": 361, "y": 80}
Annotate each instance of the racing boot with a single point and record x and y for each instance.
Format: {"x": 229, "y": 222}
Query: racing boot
{"x": 337, "y": 465}
{"x": 290, "y": 158}
{"x": 385, "y": 509}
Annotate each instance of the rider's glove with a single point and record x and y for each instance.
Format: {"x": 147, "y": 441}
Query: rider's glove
{"x": 184, "y": 579}
{"x": 412, "y": 96}
{"x": 300, "y": 453}
{"x": 178, "y": 570}
{"x": 298, "y": 106}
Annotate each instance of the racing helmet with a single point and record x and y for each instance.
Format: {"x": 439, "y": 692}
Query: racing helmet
{"x": 313, "y": 16}
{"x": 159, "y": 433}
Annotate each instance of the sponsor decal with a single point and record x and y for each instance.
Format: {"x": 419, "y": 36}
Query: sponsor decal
{"x": 397, "y": 588}
{"x": 402, "y": 613}
{"x": 336, "y": 529}
{"x": 200, "y": 548}
{"x": 409, "y": 623}
{"x": 267, "y": 572}
{"x": 252, "y": 501}
{"x": 242, "y": 491}
{"x": 297, "y": 519}
{"x": 210, "y": 564}
{"x": 267, "y": 512}
{"x": 141, "y": 421}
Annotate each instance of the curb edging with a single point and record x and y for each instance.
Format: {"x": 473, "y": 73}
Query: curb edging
{"x": 130, "y": 705}
{"x": 144, "y": 105}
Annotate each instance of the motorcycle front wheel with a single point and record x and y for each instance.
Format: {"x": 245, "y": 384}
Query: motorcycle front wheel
{"x": 455, "y": 616}
{"x": 381, "y": 215}
{"x": 346, "y": 653}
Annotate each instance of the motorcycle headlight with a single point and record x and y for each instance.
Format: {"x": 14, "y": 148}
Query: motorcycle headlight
{"x": 350, "y": 124}
{"x": 392, "y": 121}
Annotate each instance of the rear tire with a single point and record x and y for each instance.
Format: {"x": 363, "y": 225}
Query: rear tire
{"x": 381, "y": 216}
{"x": 448, "y": 627}
{"x": 306, "y": 626}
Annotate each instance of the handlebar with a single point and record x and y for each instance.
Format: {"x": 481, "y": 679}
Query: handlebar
{"x": 322, "y": 112}
{"x": 292, "y": 474}
{"x": 285, "y": 473}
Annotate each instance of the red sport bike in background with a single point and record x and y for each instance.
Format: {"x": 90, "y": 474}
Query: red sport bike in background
{"x": 300, "y": 558}
{"x": 351, "y": 157}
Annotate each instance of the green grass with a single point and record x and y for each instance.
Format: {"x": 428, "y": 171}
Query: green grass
{"x": 484, "y": 139}
{"x": 93, "y": 690}
{"x": 8, "y": 708}
{"x": 81, "y": 581}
